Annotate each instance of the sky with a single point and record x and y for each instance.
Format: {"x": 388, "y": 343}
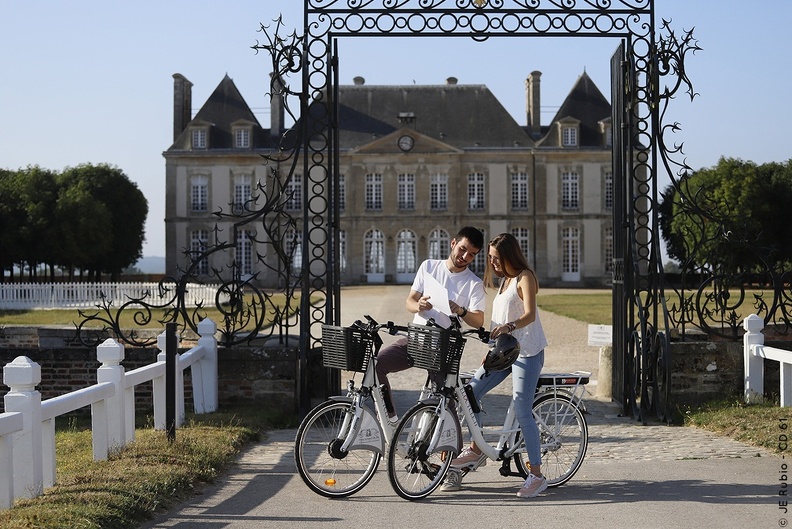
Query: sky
{"x": 91, "y": 81}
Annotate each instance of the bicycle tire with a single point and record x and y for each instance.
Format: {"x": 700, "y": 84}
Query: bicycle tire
{"x": 563, "y": 446}
{"x": 412, "y": 472}
{"x": 323, "y": 467}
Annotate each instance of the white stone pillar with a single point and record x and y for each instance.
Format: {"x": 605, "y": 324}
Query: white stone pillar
{"x": 754, "y": 365}
{"x": 110, "y": 354}
{"x": 22, "y": 375}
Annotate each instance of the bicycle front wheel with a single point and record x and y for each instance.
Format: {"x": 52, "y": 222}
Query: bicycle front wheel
{"x": 563, "y": 434}
{"x": 323, "y": 466}
{"x": 413, "y": 471}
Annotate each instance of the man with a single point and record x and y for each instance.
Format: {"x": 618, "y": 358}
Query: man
{"x": 466, "y": 300}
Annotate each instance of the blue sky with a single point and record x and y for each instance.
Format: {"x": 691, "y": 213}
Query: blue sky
{"x": 91, "y": 80}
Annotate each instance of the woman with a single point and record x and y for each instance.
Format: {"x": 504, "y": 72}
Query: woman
{"x": 514, "y": 312}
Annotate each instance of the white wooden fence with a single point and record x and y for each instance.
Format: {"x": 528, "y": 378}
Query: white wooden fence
{"x": 27, "y": 428}
{"x": 25, "y": 296}
{"x": 754, "y": 353}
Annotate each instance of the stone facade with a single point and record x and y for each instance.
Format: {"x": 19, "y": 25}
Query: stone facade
{"x": 416, "y": 164}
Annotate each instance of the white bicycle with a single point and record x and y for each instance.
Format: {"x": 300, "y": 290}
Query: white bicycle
{"x": 429, "y": 435}
{"x": 340, "y": 443}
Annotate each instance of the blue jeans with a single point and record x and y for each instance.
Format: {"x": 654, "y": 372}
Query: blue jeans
{"x": 525, "y": 375}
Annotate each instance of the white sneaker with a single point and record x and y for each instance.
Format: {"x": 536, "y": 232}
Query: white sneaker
{"x": 469, "y": 458}
{"x": 533, "y": 486}
{"x": 453, "y": 481}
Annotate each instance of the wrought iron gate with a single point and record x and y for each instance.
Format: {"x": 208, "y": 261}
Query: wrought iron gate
{"x": 639, "y": 338}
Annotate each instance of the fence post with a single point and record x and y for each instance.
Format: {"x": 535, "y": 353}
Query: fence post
{"x": 160, "y": 419}
{"x": 171, "y": 371}
{"x": 206, "y": 402}
{"x": 110, "y": 354}
{"x": 754, "y": 365}
{"x": 22, "y": 375}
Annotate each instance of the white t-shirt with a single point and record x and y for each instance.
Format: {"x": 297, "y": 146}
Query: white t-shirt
{"x": 465, "y": 288}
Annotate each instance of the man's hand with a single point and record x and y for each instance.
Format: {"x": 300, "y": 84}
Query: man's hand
{"x": 424, "y": 304}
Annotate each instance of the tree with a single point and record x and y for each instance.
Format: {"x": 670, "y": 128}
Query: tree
{"x": 126, "y": 211}
{"x": 12, "y": 219}
{"x": 731, "y": 217}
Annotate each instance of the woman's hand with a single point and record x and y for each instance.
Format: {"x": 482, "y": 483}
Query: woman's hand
{"x": 500, "y": 329}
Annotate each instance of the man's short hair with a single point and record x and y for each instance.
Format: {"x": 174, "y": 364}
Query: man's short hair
{"x": 473, "y": 235}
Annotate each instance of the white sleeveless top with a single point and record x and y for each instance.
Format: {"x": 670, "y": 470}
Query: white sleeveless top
{"x": 506, "y": 307}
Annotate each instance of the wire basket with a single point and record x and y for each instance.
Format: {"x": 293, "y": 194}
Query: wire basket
{"x": 434, "y": 348}
{"x": 345, "y": 348}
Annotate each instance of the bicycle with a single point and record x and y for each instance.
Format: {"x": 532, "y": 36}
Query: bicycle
{"x": 429, "y": 435}
{"x": 339, "y": 443}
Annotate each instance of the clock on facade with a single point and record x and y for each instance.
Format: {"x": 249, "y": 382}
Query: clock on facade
{"x": 406, "y": 143}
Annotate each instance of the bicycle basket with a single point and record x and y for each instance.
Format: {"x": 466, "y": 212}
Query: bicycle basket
{"x": 434, "y": 348}
{"x": 345, "y": 348}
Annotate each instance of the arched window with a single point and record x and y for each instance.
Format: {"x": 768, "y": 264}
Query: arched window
{"x": 439, "y": 244}
{"x": 405, "y": 252}
{"x": 374, "y": 252}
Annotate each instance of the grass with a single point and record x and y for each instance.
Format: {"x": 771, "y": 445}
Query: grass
{"x": 141, "y": 480}
{"x": 595, "y": 308}
{"x": 755, "y": 424}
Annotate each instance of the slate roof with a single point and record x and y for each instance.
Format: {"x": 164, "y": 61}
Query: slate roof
{"x": 585, "y": 103}
{"x": 464, "y": 116}
{"x": 224, "y": 108}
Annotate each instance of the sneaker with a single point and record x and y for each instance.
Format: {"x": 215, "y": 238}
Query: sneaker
{"x": 453, "y": 481}
{"x": 533, "y": 486}
{"x": 469, "y": 458}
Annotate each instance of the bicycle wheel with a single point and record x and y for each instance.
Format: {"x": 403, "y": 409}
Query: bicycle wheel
{"x": 563, "y": 434}
{"x": 323, "y": 466}
{"x": 414, "y": 473}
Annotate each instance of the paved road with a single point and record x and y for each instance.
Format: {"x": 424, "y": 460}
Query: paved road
{"x": 634, "y": 475}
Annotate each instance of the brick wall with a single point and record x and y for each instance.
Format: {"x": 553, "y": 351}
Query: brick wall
{"x": 262, "y": 374}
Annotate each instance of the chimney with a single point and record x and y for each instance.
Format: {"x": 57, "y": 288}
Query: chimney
{"x": 532, "y": 104}
{"x": 182, "y": 104}
{"x": 359, "y": 81}
{"x": 452, "y": 81}
{"x": 277, "y": 118}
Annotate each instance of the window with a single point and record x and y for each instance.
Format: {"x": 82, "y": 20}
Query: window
{"x": 293, "y": 248}
{"x": 480, "y": 261}
{"x": 341, "y": 193}
{"x": 438, "y": 192}
{"x": 608, "y": 191}
{"x": 571, "y": 250}
{"x": 198, "y": 241}
{"x": 406, "y": 246}
{"x": 244, "y": 253}
{"x": 476, "y": 191}
{"x": 199, "y": 139}
{"x": 242, "y": 138}
{"x": 374, "y": 252}
{"x": 609, "y": 136}
{"x": 342, "y": 249}
{"x": 519, "y": 191}
{"x": 569, "y": 136}
{"x": 439, "y": 244}
{"x": 242, "y": 194}
{"x": 406, "y": 191}
{"x": 569, "y": 190}
{"x": 294, "y": 194}
{"x": 199, "y": 194}
{"x": 374, "y": 192}
{"x": 608, "y": 249}
{"x": 523, "y": 239}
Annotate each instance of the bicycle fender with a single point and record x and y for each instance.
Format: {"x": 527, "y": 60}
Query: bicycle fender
{"x": 450, "y": 438}
{"x": 451, "y": 434}
{"x": 369, "y": 434}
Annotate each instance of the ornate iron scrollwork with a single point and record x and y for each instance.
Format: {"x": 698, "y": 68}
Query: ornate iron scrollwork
{"x": 246, "y": 310}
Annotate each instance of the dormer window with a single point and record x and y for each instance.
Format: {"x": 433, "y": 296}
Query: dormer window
{"x": 606, "y": 129}
{"x": 242, "y": 138}
{"x": 199, "y": 139}
{"x": 569, "y": 136}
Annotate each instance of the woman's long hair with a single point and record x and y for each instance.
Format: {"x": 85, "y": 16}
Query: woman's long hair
{"x": 509, "y": 253}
